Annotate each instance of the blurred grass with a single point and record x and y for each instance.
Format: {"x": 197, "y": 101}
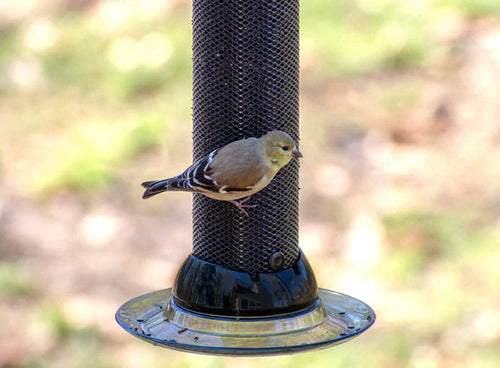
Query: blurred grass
{"x": 96, "y": 149}
{"x": 474, "y": 8}
{"x": 82, "y": 57}
{"x": 7, "y": 44}
{"x": 14, "y": 281}
{"x": 366, "y": 36}
{"x": 71, "y": 346}
{"x": 78, "y": 56}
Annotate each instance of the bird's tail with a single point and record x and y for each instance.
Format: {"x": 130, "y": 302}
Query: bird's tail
{"x": 158, "y": 186}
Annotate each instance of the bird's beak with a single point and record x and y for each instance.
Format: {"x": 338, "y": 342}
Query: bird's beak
{"x": 296, "y": 153}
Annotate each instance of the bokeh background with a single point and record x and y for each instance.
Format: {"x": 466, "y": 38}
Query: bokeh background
{"x": 400, "y": 183}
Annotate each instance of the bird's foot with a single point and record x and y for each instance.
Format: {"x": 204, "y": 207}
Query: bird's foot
{"x": 241, "y": 206}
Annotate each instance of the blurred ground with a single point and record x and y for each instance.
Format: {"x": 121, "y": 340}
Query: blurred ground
{"x": 400, "y": 202}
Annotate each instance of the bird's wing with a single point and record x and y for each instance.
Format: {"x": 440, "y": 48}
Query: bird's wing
{"x": 196, "y": 177}
{"x": 237, "y": 166}
{"x": 199, "y": 177}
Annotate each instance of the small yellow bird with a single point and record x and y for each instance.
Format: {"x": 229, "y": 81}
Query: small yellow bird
{"x": 237, "y": 170}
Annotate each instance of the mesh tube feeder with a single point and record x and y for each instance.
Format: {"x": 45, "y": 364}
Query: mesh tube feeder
{"x": 246, "y": 289}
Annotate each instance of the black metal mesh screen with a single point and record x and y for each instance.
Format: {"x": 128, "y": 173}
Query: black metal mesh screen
{"x": 245, "y": 83}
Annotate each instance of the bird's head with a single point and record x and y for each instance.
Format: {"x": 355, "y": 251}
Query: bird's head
{"x": 280, "y": 148}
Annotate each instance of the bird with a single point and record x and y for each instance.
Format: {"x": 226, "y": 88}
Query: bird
{"x": 234, "y": 171}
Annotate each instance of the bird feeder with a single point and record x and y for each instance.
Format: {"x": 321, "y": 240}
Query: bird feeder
{"x": 247, "y": 288}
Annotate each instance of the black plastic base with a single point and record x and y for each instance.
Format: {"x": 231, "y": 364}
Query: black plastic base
{"x": 209, "y": 288}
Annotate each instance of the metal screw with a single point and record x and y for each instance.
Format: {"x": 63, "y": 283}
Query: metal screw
{"x": 277, "y": 260}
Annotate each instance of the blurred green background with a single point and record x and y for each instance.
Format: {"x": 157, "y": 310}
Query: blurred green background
{"x": 400, "y": 194}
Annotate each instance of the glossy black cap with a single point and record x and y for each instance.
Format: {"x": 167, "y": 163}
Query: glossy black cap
{"x": 209, "y": 288}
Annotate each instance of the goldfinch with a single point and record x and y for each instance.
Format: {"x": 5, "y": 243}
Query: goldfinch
{"x": 237, "y": 170}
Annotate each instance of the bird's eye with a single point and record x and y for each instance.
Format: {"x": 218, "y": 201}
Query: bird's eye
{"x": 285, "y": 148}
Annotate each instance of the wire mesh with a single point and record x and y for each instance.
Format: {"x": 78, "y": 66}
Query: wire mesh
{"x": 245, "y": 83}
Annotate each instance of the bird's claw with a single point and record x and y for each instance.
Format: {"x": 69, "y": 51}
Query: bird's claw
{"x": 241, "y": 206}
